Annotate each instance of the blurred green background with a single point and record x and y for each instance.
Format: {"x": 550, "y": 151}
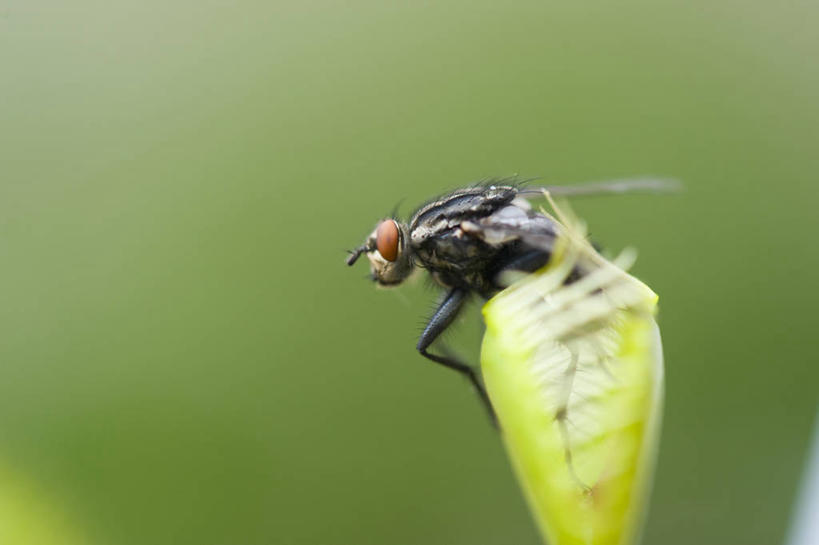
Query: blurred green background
{"x": 184, "y": 356}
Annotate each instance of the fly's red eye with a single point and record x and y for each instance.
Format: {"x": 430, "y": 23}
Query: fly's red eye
{"x": 386, "y": 240}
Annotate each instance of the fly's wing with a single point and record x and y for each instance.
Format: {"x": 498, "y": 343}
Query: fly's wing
{"x": 626, "y": 185}
{"x": 516, "y": 221}
{"x": 574, "y": 373}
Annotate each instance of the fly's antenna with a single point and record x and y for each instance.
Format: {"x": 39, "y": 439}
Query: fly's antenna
{"x": 355, "y": 254}
{"x": 628, "y": 185}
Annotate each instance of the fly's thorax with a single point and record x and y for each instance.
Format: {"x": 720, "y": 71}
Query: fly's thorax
{"x": 455, "y": 259}
{"x": 453, "y": 249}
{"x": 474, "y": 281}
{"x": 389, "y": 254}
{"x": 441, "y": 215}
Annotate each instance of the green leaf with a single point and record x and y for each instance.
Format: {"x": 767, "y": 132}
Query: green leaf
{"x": 574, "y": 372}
{"x": 30, "y": 515}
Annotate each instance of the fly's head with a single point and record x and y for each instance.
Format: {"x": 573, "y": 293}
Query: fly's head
{"x": 386, "y": 248}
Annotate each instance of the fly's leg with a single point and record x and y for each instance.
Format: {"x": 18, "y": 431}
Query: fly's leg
{"x": 441, "y": 319}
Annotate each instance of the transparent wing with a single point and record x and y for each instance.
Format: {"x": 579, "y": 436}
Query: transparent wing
{"x": 516, "y": 221}
{"x": 626, "y": 185}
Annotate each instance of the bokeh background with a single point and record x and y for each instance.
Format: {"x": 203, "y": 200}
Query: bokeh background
{"x": 184, "y": 356}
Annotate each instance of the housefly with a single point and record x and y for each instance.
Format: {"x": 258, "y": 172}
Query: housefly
{"x": 467, "y": 240}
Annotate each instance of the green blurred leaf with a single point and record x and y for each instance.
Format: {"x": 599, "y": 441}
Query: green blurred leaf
{"x": 575, "y": 374}
{"x": 29, "y": 515}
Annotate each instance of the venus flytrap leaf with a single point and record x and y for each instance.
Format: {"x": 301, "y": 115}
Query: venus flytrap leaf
{"x": 574, "y": 372}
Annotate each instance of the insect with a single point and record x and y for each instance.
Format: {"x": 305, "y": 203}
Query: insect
{"x": 467, "y": 240}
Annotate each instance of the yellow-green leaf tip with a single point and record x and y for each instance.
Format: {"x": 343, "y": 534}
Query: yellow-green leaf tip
{"x": 574, "y": 372}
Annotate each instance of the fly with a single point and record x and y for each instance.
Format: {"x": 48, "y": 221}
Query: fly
{"x": 467, "y": 240}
